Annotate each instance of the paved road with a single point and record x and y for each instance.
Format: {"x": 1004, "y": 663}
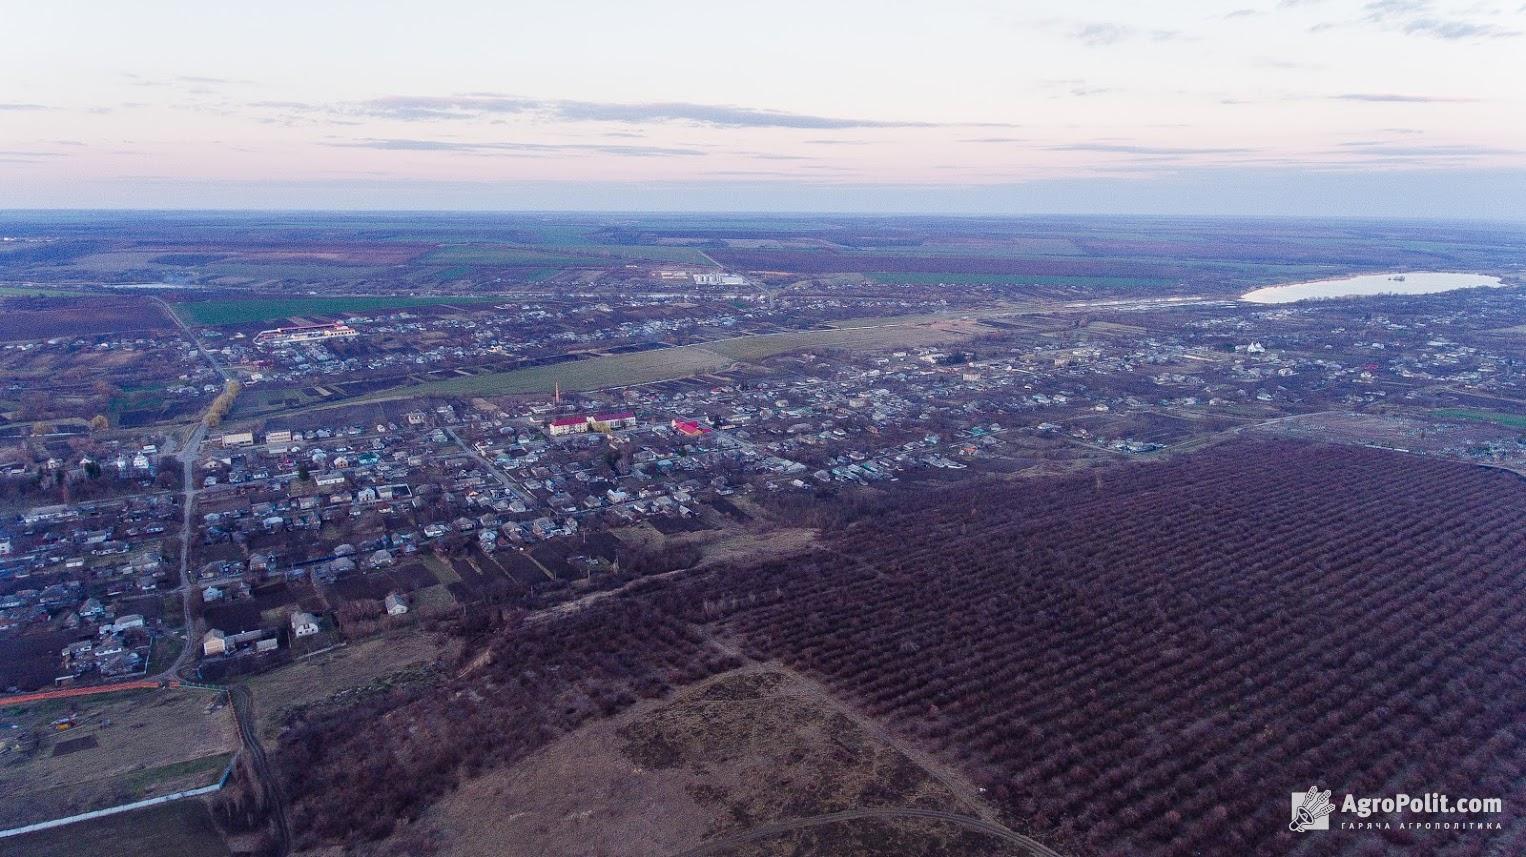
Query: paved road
{"x": 275, "y": 796}
{"x": 207, "y": 355}
{"x": 1017, "y": 840}
{"x": 188, "y": 457}
{"x": 492, "y": 468}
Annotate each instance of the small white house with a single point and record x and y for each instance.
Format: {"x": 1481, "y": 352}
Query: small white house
{"x": 303, "y": 624}
{"x": 396, "y": 604}
{"x": 214, "y": 643}
{"x": 128, "y": 622}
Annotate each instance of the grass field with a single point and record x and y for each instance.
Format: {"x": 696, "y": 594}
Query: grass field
{"x": 919, "y": 279}
{"x": 592, "y": 374}
{"x": 886, "y": 334}
{"x": 125, "y": 747}
{"x": 1515, "y": 421}
{"x": 180, "y": 829}
{"x": 489, "y": 254}
{"x": 568, "y": 255}
{"x": 246, "y": 311}
{"x": 320, "y": 677}
{"x": 643, "y": 367}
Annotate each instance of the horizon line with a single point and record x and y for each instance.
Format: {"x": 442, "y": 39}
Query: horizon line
{"x": 741, "y": 212}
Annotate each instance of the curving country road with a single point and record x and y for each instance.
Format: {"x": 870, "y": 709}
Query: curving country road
{"x": 1027, "y": 846}
{"x": 275, "y": 797}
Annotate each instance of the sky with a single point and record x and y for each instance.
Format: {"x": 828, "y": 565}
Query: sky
{"x": 1390, "y": 108}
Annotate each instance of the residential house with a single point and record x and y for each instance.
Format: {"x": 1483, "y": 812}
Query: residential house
{"x": 303, "y": 624}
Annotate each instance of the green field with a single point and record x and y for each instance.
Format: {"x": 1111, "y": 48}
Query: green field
{"x": 562, "y": 255}
{"x": 539, "y": 275}
{"x": 1516, "y": 421}
{"x": 250, "y": 310}
{"x": 684, "y": 361}
{"x": 592, "y": 374}
{"x": 180, "y": 829}
{"x": 886, "y": 334}
{"x": 917, "y": 279}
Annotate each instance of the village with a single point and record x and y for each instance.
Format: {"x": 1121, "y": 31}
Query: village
{"x": 312, "y": 527}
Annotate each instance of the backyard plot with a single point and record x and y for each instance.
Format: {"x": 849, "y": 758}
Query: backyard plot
{"x": 91, "y": 753}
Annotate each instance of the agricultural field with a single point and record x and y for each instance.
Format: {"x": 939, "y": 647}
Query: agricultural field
{"x": 180, "y": 829}
{"x": 36, "y": 291}
{"x": 592, "y": 373}
{"x": 235, "y": 311}
{"x": 1102, "y": 283}
{"x": 937, "y": 266}
{"x": 1445, "y": 432}
{"x": 1515, "y": 421}
{"x": 1070, "y": 255}
{"x": 121, "y": 747}
{"x": 42, "y": 318}
{"x": 887, "y": 334}
{"x": 1094, "y": 651}
{"x": 1130, "y": 651}
{"x": 562, "y": 255}
{"x": 31, "y": 662}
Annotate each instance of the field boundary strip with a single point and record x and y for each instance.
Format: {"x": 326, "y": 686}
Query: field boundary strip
{"x": 51, "y": 823}
{"x": 42, "y": 695}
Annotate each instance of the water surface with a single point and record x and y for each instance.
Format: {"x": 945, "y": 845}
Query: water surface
{"x": 1408, "y": 283}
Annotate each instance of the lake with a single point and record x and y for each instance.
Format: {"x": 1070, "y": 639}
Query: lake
{"x": 1409, "y": 283}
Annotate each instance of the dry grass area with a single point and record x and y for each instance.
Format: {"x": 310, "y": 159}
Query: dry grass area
{"x": 594, "y": 373}
{"x": 365, "y": 664}
{"x": 180, "y": 829}
{"x": 749, "y": 747}
{"x": 124, "y": 747}
{"x": 1431, "y": 434}
{"x": 874, "y": 837}
{"x": 730, "y": 541}
{"x": 737, "y": 545}
{"x": 717, "y": 546}
{"x": 888, "y": 334}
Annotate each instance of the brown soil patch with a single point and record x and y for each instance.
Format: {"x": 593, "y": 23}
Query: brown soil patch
{"x": 752, "y": 746}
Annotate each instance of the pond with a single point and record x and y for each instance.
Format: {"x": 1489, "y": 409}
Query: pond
{"x": 1411, "y": 283}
